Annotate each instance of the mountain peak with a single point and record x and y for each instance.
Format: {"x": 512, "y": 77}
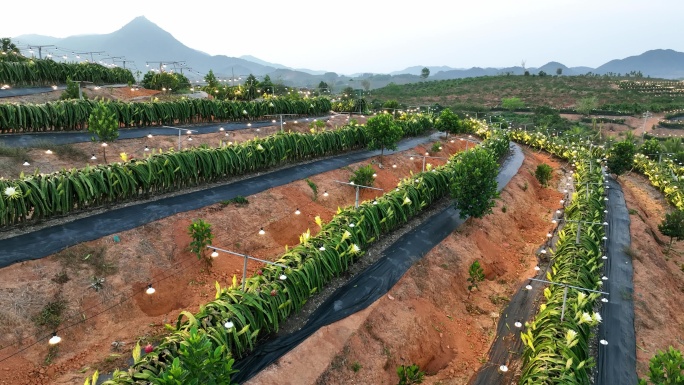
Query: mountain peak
{"x": 140, "y": 22}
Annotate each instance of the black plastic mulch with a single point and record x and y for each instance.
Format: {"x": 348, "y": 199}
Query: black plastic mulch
{"x": 366, "y": 287}
{"x": 50, "y": 240}
{"x": 616, "y": 362}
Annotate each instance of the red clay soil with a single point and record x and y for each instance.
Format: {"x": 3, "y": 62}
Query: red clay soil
{"x": 157, "y": 253}
{"x": 429, "y": 318}
{"x": 658, "y": 274}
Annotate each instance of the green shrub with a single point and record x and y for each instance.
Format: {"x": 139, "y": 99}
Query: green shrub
{"x": 666, "y": 368}
{"x": 476, "y": 275}
{"x": 543, "y": 174}
{"x": 363, "y": 176}
{"x": 200, "y": 232}
{"x": 356, "y": 366}
{"x": 51, "y": 314}
{"x": 409, "y": 375}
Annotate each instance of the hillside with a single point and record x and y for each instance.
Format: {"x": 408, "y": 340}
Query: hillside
{"x": 554, "y": 91}
{"x": 141, "y": 45}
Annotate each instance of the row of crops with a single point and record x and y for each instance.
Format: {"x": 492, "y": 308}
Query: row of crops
{"x": 36, "y": 197}
{"x": 557, "y": 350}
{"x": 665, "y": 176}
{"x": 70, "y": 115}
{"x": 38, "y": 72}
{"x": 237, "y": 320}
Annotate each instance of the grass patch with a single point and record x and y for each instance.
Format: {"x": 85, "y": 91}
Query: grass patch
{"x": 81, "y": 255}
{"x": 61, "y": 278}
{"x": 498, "y": 299}
{"x": 65, "y": 151}
{"x": 238, "y": 200}
{"x": 53, "y": 352}
{"x": 314, "y": 188}
{"x": 51, "y": 315}
{"x": 20, "y": 153}
{"x": 632, "y": 212}
{"x": 68, "y": 151}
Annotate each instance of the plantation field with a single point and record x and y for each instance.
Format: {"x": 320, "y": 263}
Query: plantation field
{"x": 428, "y": 318}
{"x": 159, "y": 250}
{"x": 559, "y": 92}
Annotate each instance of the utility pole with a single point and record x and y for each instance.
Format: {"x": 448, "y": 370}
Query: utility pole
{"x": 86, "y": 53}
{"x": 113, "y": 57}
{"x": 121, "y": 61}
{"x": 163, "y": 64}
{"x": 646, "y": 115}
{"x": 40, "y": 49}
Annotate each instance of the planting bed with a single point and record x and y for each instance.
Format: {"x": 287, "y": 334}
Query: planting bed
{"x": 154, "y": 252}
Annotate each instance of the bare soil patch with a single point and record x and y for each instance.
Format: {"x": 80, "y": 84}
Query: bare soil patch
{"x": 658, "y": 274}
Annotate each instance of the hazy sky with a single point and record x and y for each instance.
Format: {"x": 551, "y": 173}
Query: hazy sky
{"x": 379, "y": 36}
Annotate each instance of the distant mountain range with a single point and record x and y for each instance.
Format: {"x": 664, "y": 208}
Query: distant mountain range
{"x": 141, "y": 45}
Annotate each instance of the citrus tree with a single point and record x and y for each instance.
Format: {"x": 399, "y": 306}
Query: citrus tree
{"x": 448, "y": 122}
{"x": 673, "y": 226}
{"x": 621, "y": 157}
{"x": 383, "y": 133}
{"x": 543, "y": 174}
{"x": 104, "y": 125}
{"x": 71, "y": 91}
{"x": 200, "y": 232}
{"x": 473, "y": 184}
{"x": 666, "y": 368}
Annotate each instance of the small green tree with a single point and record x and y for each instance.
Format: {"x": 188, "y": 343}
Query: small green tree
{"x": 512, "y": 103}
{"x": 104, "y": 126}
{"x": 390, "y": 104}
{"x": 448, "y": 122}
{"x": 543, "y": 174}
{"x": 363, "y": 176}
{"x": 424, "y": 73}
{"x": 666, "y": 368}
{"x": 200, "y": 232}
{"x": 71, "y": 91}
{"x": 473, "y": 185}
{"x": 476, "y": 275}
{"x": 673, "y": 226}
{"x": 409, "y": 375}
{"x": 621, "y": 157}
{"x": 383, "y": 133}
